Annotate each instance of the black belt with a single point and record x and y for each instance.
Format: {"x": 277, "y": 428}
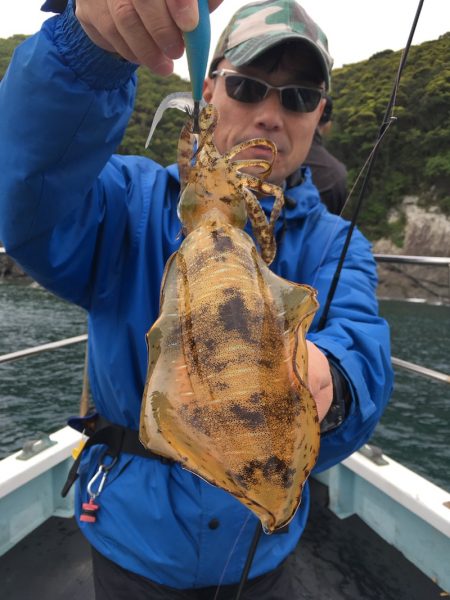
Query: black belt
{"x": 117, "y": 439}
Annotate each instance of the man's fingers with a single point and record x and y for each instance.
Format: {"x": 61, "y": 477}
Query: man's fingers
{"x": 319, "y": 379}
{"x": 105, "y": 36}
{"x": 323, "y": 399}
{"x": 141, "y": 44}
{"x": 184, "y": 13}
{"x": 147, "y": 32}
{"x": 160, "y": 26}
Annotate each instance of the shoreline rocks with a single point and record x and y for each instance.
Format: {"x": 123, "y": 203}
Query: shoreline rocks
{"x": 10, "y": 269}
{"x": 426, "y": 233}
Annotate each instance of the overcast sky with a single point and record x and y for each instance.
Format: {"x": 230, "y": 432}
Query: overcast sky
{"x": 356, "y": 29}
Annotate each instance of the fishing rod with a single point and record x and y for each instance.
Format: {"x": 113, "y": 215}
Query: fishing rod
{"x": 249, "y": 560}
{"x": 388, "y": 119}
{"x": 197, "y": 48}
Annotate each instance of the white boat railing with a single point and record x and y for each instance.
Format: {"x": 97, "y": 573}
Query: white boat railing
{"x": 409, "y": 366}
{"x": 435, "y": 261}
{"x": 442, "y": 261}
{"x": 42, "y": 348}
{"x": 397, "y": 362}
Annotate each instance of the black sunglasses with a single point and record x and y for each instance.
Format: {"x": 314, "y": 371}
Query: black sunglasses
{"x": 298, "y": 98}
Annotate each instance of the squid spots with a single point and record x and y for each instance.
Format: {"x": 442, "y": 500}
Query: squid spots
{"x": 222, "y": 242}
{"x": 199, "y": 418}
{"x": 234, "y": 313}
{"x": 235, "y": 317}
{"x": 274, "y": 469}
{"x": 250, "y": 419}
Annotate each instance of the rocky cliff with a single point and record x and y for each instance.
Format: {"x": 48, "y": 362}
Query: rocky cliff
{"x": 426, "y": 233}
{"x": 8, "y": 268}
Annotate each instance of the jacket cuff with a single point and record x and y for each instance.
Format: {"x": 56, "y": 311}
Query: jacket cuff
{"x": 98, "y": 68}
{"x": 340, "y": 405}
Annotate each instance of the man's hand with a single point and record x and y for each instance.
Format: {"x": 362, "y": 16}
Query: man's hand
{"x": 147, "y": 32}
{"x": 319, "y": 379}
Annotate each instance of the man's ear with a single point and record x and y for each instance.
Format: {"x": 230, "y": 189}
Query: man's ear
{"x": 208, "y": 88}
{"x": 322, "y": 105}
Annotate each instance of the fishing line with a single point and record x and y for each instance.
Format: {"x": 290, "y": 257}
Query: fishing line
{"x": 230, "y": 554}
{"x": 387, "y": 120}
{"x": 349, "y": 196}
{"x": 249, "y": 560}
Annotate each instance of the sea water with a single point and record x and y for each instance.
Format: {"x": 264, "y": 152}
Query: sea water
{"x": 38, "y": 393}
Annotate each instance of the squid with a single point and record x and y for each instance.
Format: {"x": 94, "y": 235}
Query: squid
{"x": 226, "y": 393}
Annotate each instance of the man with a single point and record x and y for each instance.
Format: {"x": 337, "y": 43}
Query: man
{"x": 328, "y": 173}
{"x": 97, "y": 229}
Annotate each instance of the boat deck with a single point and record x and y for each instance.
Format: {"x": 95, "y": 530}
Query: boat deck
{"x": 336, "y": 560}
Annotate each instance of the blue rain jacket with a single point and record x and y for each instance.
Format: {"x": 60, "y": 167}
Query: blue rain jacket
{"x": 96, "y": 229}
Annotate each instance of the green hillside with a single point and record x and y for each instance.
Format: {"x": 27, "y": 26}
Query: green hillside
{"x": 414, "y": 158}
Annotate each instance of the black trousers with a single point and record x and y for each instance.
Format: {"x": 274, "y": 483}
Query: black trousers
{"x": 112, "y": 582}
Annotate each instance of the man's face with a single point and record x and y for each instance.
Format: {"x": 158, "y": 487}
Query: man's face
{"x": 291, "y": 132}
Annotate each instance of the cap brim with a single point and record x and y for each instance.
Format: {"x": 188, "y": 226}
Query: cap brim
{"x": 246, "y": 52}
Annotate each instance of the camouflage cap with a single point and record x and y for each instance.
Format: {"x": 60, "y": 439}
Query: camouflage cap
{"x": 258, "y": 26}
